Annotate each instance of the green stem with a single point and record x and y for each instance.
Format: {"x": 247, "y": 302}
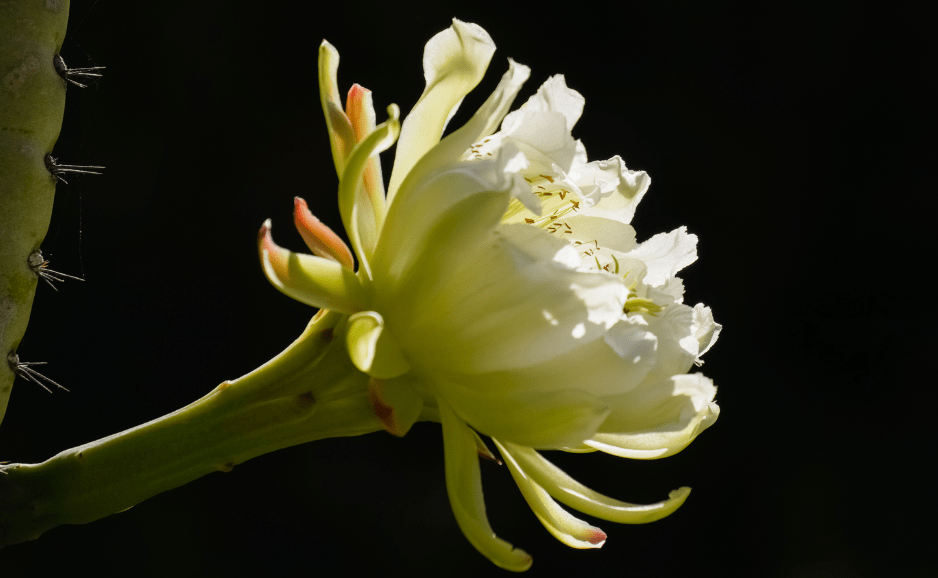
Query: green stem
{"x": 32, "y": 103}
{"x": 310, "y": 391}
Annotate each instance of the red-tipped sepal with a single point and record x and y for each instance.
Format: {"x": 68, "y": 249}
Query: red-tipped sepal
{"x": 320, "y": 239}
{"x": 313, "y": 280}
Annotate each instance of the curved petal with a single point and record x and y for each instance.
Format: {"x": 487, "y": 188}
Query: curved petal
{"x": 355, "y": 208}
{"x": 561, "y": 486}
{"x": 567, "y": 528}
{"x": 312, "y": 280}
{"x": 464, "y": 486}
{"x": 658, "y": 419}
{"x": 454, "y": 62}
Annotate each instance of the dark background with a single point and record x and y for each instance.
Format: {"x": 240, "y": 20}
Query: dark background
{"x": 788, "y": 138}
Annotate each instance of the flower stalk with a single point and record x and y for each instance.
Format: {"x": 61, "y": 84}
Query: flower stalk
{"x": 310, "y": 391}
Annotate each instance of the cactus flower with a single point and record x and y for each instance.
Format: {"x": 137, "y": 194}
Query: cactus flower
{"x": 496, "y": 286}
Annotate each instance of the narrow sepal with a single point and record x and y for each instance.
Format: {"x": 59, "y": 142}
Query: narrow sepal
{"x": 360, "y": 227}
{"x": 341, "y": 135}
{"x": 567, "y": 528}
{"x": 361, "y": 113}
{"x": 567, "y": 490}
{"x": 464, "y": 486}
{"x": 320, "y": 239}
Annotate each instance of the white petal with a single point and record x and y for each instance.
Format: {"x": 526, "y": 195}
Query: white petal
{"x": 665, "y": 254}
{"x": 574, "y": 494}
{"x": 706, "y": 330}
{"x": 610, "y": 189}
{"x": 555, "y": 96}
{"x": 454, "y": 62}
{"x": 464, "y": 486}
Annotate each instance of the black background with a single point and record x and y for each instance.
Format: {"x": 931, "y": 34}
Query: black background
{"x": 787, "y": 137}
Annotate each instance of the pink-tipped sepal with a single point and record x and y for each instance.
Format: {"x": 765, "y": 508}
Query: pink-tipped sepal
{"x": 320, "y": 239}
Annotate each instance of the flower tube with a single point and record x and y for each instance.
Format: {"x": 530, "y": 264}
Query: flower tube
{"x": 499, "y": 289}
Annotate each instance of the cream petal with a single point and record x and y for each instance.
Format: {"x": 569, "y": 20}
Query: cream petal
{"x": 567, "y": 528}
{"x": 665, "y": 254}
{"x": 482, "y": 124}
{"x": 676, "y": 344}
{"x": 454, "y": 62}
{"x": 549, "y": 419}
{"x": 554, "y": 95}
{"x": 658, "y": 419}
{"x": 464, "y": 486}
{"x": 564, "y": 488}
{"x": 511, "y": 306}
{"x": 543, "y": 136}
{"x": 412, "y": 224}
{"x": 705, "y": 329}
{"x": 312, "y": 280}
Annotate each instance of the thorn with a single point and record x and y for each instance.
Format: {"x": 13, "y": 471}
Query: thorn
{"x": 41, "y": 268}
{"x": 23, "y": 369}
{"x": 67, "y": 73}
{"x": 57, "y": 170}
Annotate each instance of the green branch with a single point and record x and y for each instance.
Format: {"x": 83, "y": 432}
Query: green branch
{"x": 310, "y": 391}
{"x": 32, "y": 103}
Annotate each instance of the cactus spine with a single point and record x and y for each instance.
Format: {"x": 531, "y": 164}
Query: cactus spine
{"x": 32, "y": 103}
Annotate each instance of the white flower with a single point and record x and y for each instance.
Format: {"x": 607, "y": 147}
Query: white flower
{"x": 501, "y": 290}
